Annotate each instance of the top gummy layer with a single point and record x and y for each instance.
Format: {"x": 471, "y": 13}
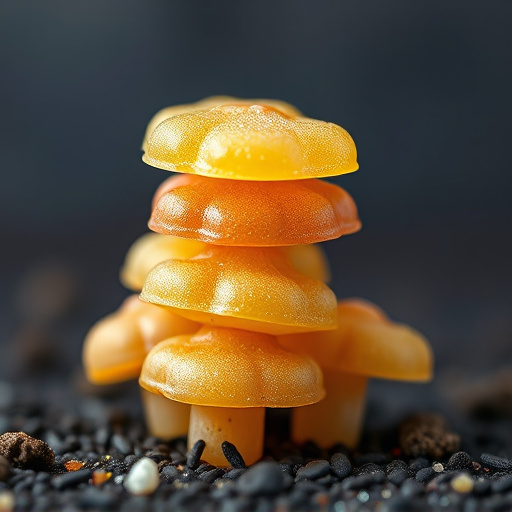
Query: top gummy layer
{"x": 256, "y": 142}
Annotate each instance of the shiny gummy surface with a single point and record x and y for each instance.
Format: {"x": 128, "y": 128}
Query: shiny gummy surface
{"x": 252, "y": 213}
{"x": 254, "y": 142}
{"x": 210, "y": 102}
{"x": 115, "y": 347}
{"x": 367, "y": 343}
{"x": 245, "y": 288}
{"x": 231, "y": 368}
{"x": 149, "y": 250}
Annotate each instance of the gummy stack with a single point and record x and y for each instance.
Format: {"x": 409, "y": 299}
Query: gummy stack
{"x": 248, "y": 208}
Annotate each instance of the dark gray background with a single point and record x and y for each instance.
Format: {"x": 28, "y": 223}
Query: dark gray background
{"x": 424, "y": 87}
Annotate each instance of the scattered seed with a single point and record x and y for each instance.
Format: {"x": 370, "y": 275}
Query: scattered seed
{"x": 233, "y": 455}
{"x": 195, "y": 454}
{"x": 143, "y": 478}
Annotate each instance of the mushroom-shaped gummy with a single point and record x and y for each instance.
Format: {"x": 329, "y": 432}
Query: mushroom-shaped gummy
{"x": 115, "y": 349}
{"x": 229, "y": 376}
{"x": 213, "y": 101}
{"x": 242, "y": 287}
{"x": 309, "y": 260}
{"x": 151, "y": 249}
{"x": 366, "y": 344}
{"x": 277, "y": 213}
{"x": 254, "y": 142}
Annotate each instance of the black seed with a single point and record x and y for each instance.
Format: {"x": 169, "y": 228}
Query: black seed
{"x": 121, "y": 444}
{"x": 195, "y": 454}
{"x": 396, "y": 464}
{"x": 232, "y": 455}
{"x": 503, "y": 484}
{"x": 71, "y": 479}
{"x": 234, "y": 473}
{"x": 459, "y": 461}
{"x": 482, "y": 487}
{"x": 425, "y": 475}
{"x": 411, "y": 488}
{"x": 313, "y": 470}
{"x": 498, "y": 463}
{"x": 340, "y": 465}
{"x": 97, "y": 499}
{"x": 170, "y": 473}
{"x": 417, "y": 464}
{"x": 262, "y": 478}
{"x": 210, "y": 476}
{"x": 398, "y": 475}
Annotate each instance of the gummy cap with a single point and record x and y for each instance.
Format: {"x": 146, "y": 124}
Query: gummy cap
{"x": 254, "y": 142}
{"x": 223, "y": 367}
{"x": 367, "y": 343}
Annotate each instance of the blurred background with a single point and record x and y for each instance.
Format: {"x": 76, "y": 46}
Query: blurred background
{"x": 424, "y": 88}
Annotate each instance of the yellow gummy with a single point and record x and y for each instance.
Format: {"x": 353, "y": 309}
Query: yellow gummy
{"x": 254, "y": 142}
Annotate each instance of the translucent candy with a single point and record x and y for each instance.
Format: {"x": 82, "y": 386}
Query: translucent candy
{"x": 231, "y": 368}
{"x": 309, "y": 260}
{"x": 246, "y": 288}
{"x": 151, "y": 249}
{"x": 250, "y": 143}
{"x": 251, "y": 213}
{"x": 213, "y": 101}
{"x": 367, "y": 343}
{"x": 116, "y": 346}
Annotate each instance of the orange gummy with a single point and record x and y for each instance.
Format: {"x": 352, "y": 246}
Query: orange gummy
{"x": 367, "y": 343}
{"x": 223, "y": 367}
{"x": 213, "y": 101}
{"x": 254, "y": 142}
{"x": 251, "y": 213}
{"x": 246, "y": 288}
{"x": 116, "y": 346}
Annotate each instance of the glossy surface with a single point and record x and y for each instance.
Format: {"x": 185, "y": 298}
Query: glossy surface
{"x": 151, "y": 249}
{"x": 367, "y": 343}
{"x": 250, "y": 143}
{"x": 251, "y": 213}
{"x": 231, "y": 368}
{"x": 309, "y": 260}
{"x": 245, "y": 288}
{"x": 213, "y": 101}
{"x": 338, "y": 418}
{"x": 242, "y": 427}
{"x": 116, "y": 346}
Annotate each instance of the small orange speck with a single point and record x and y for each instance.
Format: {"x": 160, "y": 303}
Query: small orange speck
{"x": 100, "y": 477}
{"x": 73, "y": 465}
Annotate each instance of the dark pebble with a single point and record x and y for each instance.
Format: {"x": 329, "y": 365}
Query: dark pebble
{"x": 187, "y": 475}
{"x": 425, "y": 475}
{"x": 71, "y": 479}
{"x": 210, "y": 476}
{"x": 400, "y": 504}
{"x": 262, "y": 478}
{"x": 417, "y": 464}
{"x": 494, "y": 462}
{"x": 396, "y": 464}
{"x": 170, "y": 473}
{"x": 40, "y": 488}
{"x": 204, "y": 467}
{"x": 121, "y": 444}
{"x": 366, "y": 469}
{"x": 313, "y": 470}
{"x": 232, "y": 455}
{"x": 195, "y": 454}
{"x": 459, "y": 461}
{"x": 482, "y": 487}
{"x": 233, "y": 474}
{"x": 363, "y": 481}
{"x": 503, "y": 484}
{"x": 398, "y": 475}
{"x": 95, "y": 498}
{"x": 411, "y": 488}
{"x": 340, "y": 465}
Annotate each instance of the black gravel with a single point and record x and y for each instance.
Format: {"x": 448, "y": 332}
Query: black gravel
{"x": 100, "y": 441}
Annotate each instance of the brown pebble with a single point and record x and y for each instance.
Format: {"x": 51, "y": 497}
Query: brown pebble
{"x": 26, "y": 452}
{"x": 100, "y": 476}
{"x": 5, "y": 469}
{"x": 427, "y": 435}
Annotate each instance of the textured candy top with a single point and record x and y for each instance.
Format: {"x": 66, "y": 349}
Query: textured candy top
{"x": 116, "y": 346}
{"x": 231, "y": 368}
{"x": 366, "y": 342}
{"x": 213, "y": 101}
{"x": 254, "y": 142}
{"x": 246, "y": 288}
{"x": 251, "y": 213}
{"x": 151, "y": 249}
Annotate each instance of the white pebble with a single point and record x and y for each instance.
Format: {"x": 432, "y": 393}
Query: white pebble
{"x": 143, "y": 478}
{"x": 7, "y": 501}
